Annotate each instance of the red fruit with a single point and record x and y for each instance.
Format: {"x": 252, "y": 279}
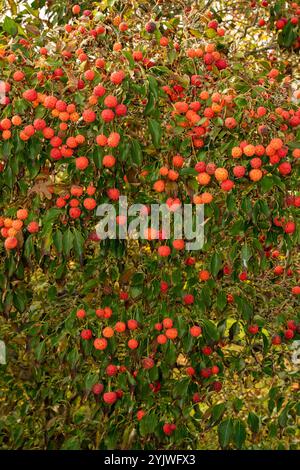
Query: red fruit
{"x": 211, "y": 168}
{"x": 75, "y": 212}
{"x": 196, "y": 331}
{"x": 89, "y": 75}
{"x": 111, "y": 370}
{"x": 22, "y": 214}
{"x": 289, "y": 334}
{"x": 113, "y": 194}
{"x": 100, "y": 312}
{"x": 296, "y": 290}
{"x": 90, "y": 190}
{"x": 148, "y": 363}
{"x": 150, "y": 27}
{"x": 230, "y": 123}
{"x": 88, "y": 115}
{"x": 107, "y": 115}
{"x": 205, "y": 373}
{"x": 230, "y": 298}
{"x": 39, "y": 124}
{"x": 190, "y": 371}
{"x": 10, "y": 243}
{"x": 99, "y": 90}
{"x": 108, "y": 161}
{"x": 60, "y": 202}
{"x": 188, "y": 299}
{"x": 100, "y": 344}
{"x": 204, "y": 275}
{"x": 98, "y": 388}
{"x": 50, "y": 102}
{"x": 164, "y": 286}
{"x": 253, "y": 329}
{"x": 158, "y": 326}
{"x": 110, "y": 397}
{"x": 76, "y": 9}
{"x": 196, "y": 397}
{"x": 200, "y": 167}
{"x": 161, "y": 339}
{"x": 285, "y": 168}
{"x": 86, "y": 334}
{"x": 117, "y": 77}
{"x": 80, "y": 313}
{"x": 292, "y": 325}
{"x": 178, "y": 161}
{"x": 121, "y": 110}
{"x": 178, "y": 244}
{"x": 216, "y": 386}
{"x": 215, "y": 370}
{"x": 123, "y": 295}
{"x": 132, "y": 324}
{"x": 110, "y": 101}
{"x": 255, "y": 162}
{"x": 278, "y": 270}
{"x": 290, "y": 227}
{"x": 227, "y": 185}
{"x": 164, "y": 250}
{"x": 18, "y": 76}
{"x": 207, "y": 350}
{"x": 221, "y": 64}
{"x": 30, "y": 95}
{"x": 168, "y": 429}
{"x": 239, "y": 171}
{"x": 243, "y": 276}
{"x": 33, "y": 227}
{"x": 120, "y": 327}
{"x": 167, "y": 322}
{"x": 276, "y": 340}
{"x": 280, "y": 24}
{"x": 89, "y": 203}
{"x": 140, "y": 414}
{"x": 171, "y": 333}
{"x": 190, "y": 261}
{"x": 133, "y": 344}
{"x": 113, "y": 139}
{"x": 82, "y": 163}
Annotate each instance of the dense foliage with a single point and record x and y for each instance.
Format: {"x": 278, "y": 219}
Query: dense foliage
{"x": 141, "y": 344}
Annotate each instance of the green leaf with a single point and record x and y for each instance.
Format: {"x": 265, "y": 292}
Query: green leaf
{"x": 246, "y": 254}
{"x": 153, "y": 86}
{"x": 78, "y": 242}
{"x": 68, "y": 239}
{"x": 57, "y": 240}
{"x": 215, "y": 264}
{"x": 19, "y": 300}
{"x": 137, "y": 154}
{"x": 225, "y": 431}
{"x": 72, "y": 443}
{"x": 171, "y": 353}
{"x": 210, "y": 331}
{"x": 217, "y": 412}
{"x": 253, "y": 422}
{"x": 10, "y": 26}
{"x": 239, "y": 433}
{"x": 148, "y": 424}
{"x": 155, "y": 131}
{"x": 221, "y": 300}
{"x": 266, "y": 183}
{"x": 129, "y": 58}
{"x": 90, "y": 380}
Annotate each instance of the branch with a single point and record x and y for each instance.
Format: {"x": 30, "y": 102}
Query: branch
{"x": 262, "y": 49}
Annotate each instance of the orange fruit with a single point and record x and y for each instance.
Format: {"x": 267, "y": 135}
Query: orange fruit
{"x": 221, "y": 174}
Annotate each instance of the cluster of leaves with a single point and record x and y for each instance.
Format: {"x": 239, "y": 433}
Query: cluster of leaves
{"x": 182, "y": 91}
